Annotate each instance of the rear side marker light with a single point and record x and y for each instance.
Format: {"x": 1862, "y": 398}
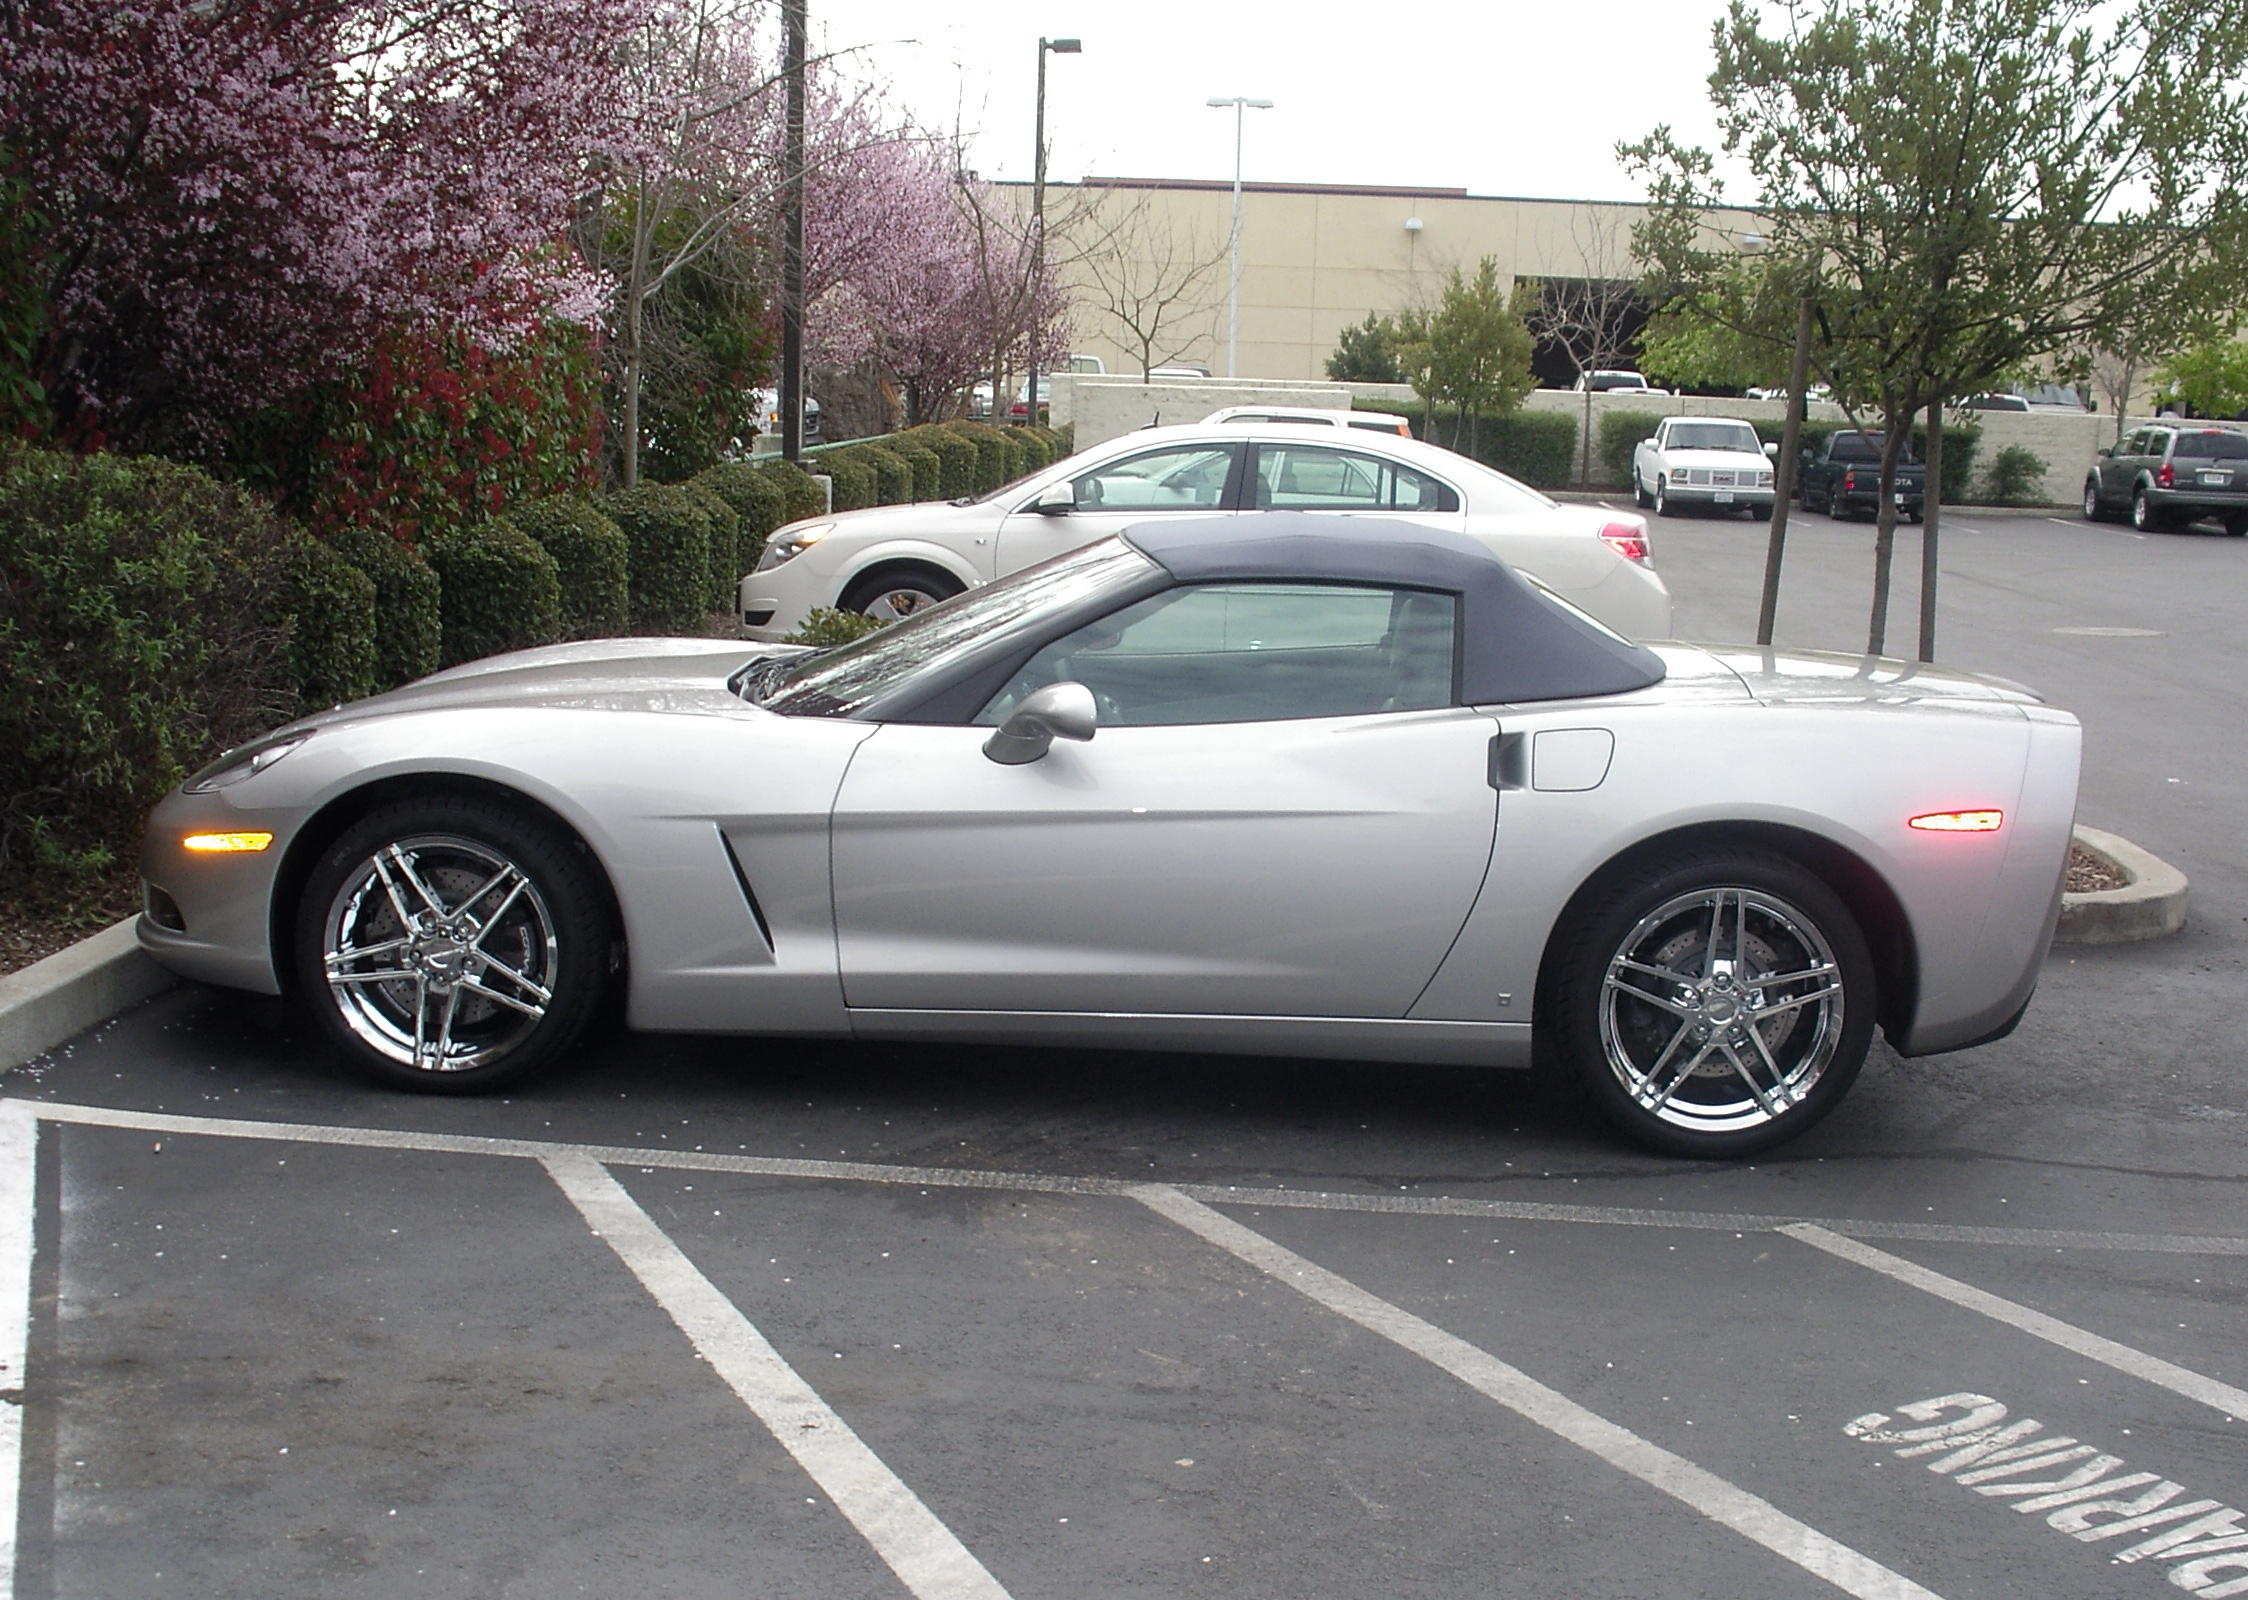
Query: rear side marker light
{"x": 1958, "y": 821}
{"x": 1626, "y": 540}
{"x": 225, "y": 843}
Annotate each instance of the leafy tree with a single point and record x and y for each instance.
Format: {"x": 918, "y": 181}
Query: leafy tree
{"x": 2212, "y": 377}
{"x": 1968, "y": 185}
{"x": 238, "y": 198}
{"x": 1367, "y": 353}
{"x": 1472, "y": 351}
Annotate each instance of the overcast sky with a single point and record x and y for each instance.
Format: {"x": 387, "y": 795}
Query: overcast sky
{"x": 1494, "y": 96}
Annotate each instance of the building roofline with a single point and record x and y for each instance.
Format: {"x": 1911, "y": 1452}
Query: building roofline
{"x": 1376, "y": 190}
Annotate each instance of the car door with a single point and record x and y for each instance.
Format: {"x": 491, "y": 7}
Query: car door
{"x": 1190, "y": 479}
{"x": 1282, "y": 813}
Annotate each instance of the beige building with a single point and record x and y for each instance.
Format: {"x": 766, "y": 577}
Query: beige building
{"x": 1315, "y": 259}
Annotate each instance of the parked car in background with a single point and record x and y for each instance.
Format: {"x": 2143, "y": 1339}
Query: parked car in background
{"x": 890, "y": 561}
{"x": 1306, "y": 787}
{"x": 1717, "y": 462}
{"x": 1371, "y": 421}
{"x": 766, "y": 409}
{"x": 1994, "y": 402}
{"x": 1183, "y": 369}
{"x": 1615, "y": 380}
{"x": 2170, "y": 475}
{"x": 1842, "y": 477}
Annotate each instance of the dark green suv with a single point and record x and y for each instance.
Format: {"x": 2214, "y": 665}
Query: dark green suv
{"x": 2169, "y": 474}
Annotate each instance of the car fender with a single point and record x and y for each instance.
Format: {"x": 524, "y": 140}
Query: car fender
{"x": 968, "y": 569}
{"x": 1846, "y": 776}
{"x": 710, "y": 830}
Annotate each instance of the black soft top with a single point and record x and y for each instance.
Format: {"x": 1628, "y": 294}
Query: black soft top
{"x": 1515, "y": 643}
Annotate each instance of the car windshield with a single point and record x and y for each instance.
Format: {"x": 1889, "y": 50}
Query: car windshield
{"x": 845, "y": 680}
{"x": 2214, "y": 445}
{"x": 1716, "y": 436}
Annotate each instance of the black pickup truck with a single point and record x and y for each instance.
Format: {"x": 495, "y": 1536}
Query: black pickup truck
{"x": 1842, "y": 477}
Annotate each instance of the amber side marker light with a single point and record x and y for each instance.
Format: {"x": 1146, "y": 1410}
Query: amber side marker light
{"x": 1958, "y": 821}
{"x": 225, "y": 843}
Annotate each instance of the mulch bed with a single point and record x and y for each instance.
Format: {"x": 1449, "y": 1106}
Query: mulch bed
{"x": 32, "y": 929}
{"x": 2089, "y": 874}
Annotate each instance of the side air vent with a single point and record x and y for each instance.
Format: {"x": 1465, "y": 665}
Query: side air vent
{"x": 749, "y": 895}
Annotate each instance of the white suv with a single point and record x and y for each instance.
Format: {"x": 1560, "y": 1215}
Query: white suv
{"x": 890, "y": 560}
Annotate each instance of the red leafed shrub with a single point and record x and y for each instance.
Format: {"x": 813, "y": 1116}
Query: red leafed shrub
{"x": 444, "y": 432}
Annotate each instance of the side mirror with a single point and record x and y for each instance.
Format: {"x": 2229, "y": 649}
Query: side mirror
{"x": 2106, "y": 451}
{"x": 1058, "y": 711}
{"x": 1056, "y": 499}
{"x": 1772, "y": 449}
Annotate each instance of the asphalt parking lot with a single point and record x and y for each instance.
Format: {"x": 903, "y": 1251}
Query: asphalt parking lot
{"x": 711, "y": 1317}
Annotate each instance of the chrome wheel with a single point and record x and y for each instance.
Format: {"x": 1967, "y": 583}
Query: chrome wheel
{"x": 1715, "y": 1004}
{"x": 1662, "y": 498}
{"x": 440, "y": 953}
{"x": 2143, "y": 515}
{"x": 2091, "y": 499}
{"x": 1721, "y": 1010}
{"x": 455, "y": 943}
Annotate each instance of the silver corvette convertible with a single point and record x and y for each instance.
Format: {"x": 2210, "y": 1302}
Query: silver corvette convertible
{"x": 1283, "y": 785}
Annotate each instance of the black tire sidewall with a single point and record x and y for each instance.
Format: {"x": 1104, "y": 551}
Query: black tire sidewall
{"x": 1599, "y": 928}
{"x": 564, "y": 880}
{"x": 864, "y": 591}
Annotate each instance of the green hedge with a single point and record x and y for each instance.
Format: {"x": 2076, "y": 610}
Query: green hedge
{"x": 139, "y": 635}
{"x": 760, "y": 505}
{"x": 892, "y": 472}
{"x": 668, "y": 538}
{"x": 801, "y": 496}
{"x": 725, "y": 543}
{"x": 956, "y": 453}
{"x": 409, "y": 627}
{"x": 1620, "y": 433}
{"x": 590, "y": 560}
{"x": 1538, "y": 447}
{"x": 854, "y": 479}
{"x": 927, "y": 466}
{"x": 327, "y": 607}
{"x": 499, "y": 588}
{"x": 995, "y": 457}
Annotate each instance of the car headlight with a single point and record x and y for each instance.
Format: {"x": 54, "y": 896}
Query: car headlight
{"x": 790, "y": 543}
{"x": 244, "y": 762}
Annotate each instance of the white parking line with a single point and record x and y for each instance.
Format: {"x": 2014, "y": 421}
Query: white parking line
{"x": 904, "y": 1532}
{"x": 2151, "y": 1369}
{"x": 19, "y": 1143}
{"x": 1750, "y": 1516}
{"x": 1045, "y": 1183}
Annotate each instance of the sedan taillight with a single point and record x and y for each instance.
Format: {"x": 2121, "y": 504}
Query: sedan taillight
{"x": 1627, "y": 539}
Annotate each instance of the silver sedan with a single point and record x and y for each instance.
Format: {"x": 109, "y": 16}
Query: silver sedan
{"x": 1282, "y": 785}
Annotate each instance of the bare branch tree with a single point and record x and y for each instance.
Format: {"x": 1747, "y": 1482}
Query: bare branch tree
{"x": 1594, "y": 321}
{"x": 1145, "y": 277}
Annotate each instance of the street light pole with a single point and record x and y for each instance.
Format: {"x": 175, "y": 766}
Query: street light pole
{"x": 1060, "y": 47}
{"x": 1241, "y": 105}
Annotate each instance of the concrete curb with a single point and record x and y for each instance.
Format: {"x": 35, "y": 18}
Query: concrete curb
{"x": 2151, "y": 905}
{"x": 49, "y": 1001}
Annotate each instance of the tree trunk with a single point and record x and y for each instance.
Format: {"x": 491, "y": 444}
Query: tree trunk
{"x": 1783, "y": 480}
{"x": 1929, "y": 517}
{"x": 1584, "y": 462}
{"x": 1893, "y": 433}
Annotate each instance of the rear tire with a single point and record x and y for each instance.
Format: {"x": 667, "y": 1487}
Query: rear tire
{"x": 1715, "y": 1005}
{"x": 2144, "y": 516}
{"x": 452, "y": 945}
{"x": 2094, "y": 509}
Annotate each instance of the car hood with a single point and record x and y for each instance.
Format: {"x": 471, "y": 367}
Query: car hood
{"x": 678, "y": 675}
{"x": 1795, "y": 677}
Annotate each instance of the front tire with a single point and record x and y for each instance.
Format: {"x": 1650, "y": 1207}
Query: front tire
{"x": 1717, "y": 1005}
{"x": 899, "y": 592}
{"x": 452, "y": 945}
{"x": 1663, "y": 507}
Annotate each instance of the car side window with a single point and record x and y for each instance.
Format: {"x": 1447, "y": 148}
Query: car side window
{"x": 1320, "y": 478}
{"x": 1253, "y": 652}
{"x": 1182, "y": 478}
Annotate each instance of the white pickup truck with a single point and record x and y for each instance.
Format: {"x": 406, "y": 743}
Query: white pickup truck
{"x": 1703, "y": 461}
